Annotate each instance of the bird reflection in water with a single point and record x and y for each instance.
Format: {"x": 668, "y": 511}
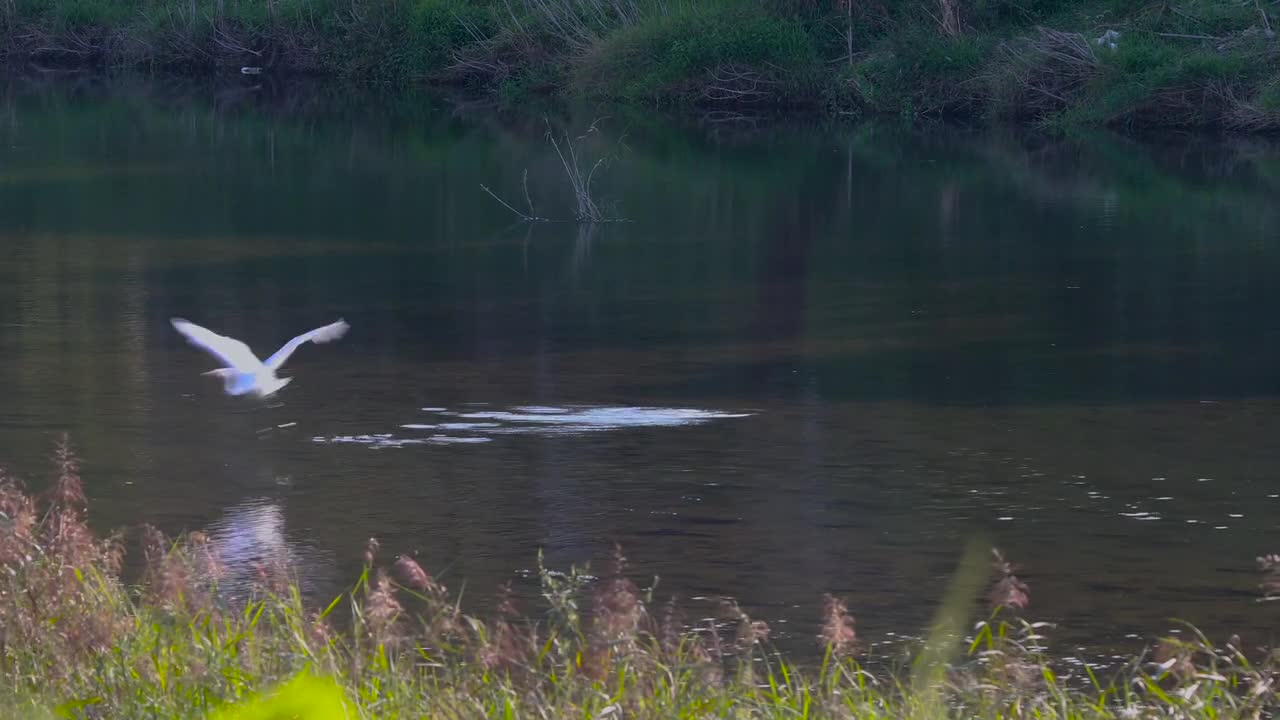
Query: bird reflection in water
{"x": 252, "y": 551}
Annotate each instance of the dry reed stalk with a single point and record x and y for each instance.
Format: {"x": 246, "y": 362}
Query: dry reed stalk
{"x": 838, "y": 634}
{"x": 382, "y": 610}
{"x": 949, "y": 18}
{"x": 1043, "y": 72}
{"x": 737, "y": 84}
{"x": 1269, "y": 565}
{"x": 1008, "y": 591}
{"x": 508, "y": 648}
{"x": 410, "y": 574}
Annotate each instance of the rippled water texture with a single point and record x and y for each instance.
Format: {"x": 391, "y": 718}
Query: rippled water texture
{"x": 817, "y": 358}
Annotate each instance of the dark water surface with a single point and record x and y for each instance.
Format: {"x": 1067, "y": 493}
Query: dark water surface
{"x": 820, "y": 358}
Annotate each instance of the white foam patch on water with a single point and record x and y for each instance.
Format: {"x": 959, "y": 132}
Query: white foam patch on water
{"x": 541, "y": 419}
{"x": 372, "y": 441}
{"x": 456, "y": 440}
{"x": 479, "y": 426}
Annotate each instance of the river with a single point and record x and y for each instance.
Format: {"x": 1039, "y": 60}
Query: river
{"x": 816, "y": 356}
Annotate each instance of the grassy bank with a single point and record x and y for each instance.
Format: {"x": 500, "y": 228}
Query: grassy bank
{"x": 1061, "y": 63}
{"x": 78, "y": 641}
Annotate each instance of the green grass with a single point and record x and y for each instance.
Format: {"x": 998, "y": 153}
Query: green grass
{"x": 81, "y": 643}
{"x": 1187, "y": 63}
{"x": 918, "y": 74}
{"x": 713, "y": 53}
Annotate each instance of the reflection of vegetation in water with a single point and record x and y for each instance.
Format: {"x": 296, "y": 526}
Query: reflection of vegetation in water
{"x": 918, "y": 237}
{"x": 250, "y": 136}
{"x": 400, "y": 644}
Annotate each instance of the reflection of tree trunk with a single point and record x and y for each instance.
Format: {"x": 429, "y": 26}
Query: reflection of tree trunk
{"x": 948, "y": 205}
{"x": 781, "y": 283}
{"x": 781, "y": 290}
{"x": 582, "y": 241}
{"x": 134, "y": 332}
{"x": 848, "y": 177}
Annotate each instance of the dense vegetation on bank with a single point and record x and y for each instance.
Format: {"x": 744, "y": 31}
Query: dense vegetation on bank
{"x": 187, "y": 641}
{"x": 1064, "y": 63}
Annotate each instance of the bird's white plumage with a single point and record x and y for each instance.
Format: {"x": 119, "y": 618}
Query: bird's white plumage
{"x": 325, "y": 334}
{"x": 229, "y": 350}
{"x": 248, "y": 374}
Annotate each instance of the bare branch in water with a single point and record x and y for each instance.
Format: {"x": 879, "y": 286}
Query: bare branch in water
{"x": 588, "y": 209}
{"x": 507, "y": 205}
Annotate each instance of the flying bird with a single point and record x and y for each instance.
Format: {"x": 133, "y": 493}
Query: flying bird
{"x": 246, "y": 373}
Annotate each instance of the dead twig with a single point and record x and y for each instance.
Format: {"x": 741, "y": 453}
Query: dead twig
{"x": 731, "y": 83}
{"x": 588, "y": 210}
{"x": 527, "y": 217}
{"x": 1266, "y": 22}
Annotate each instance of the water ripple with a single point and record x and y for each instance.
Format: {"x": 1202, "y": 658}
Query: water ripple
{"x": 534, "y": 419}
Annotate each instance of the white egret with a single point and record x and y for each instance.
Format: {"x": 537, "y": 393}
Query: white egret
{"x": 246, "y": 373}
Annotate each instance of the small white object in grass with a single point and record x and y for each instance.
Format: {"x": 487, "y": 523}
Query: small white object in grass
{"x": 1109, "y": 39}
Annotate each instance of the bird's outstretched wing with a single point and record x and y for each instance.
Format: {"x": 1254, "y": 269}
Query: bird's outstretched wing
{"x": 231, "y": 351}
{"x": 325, "y": 334}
